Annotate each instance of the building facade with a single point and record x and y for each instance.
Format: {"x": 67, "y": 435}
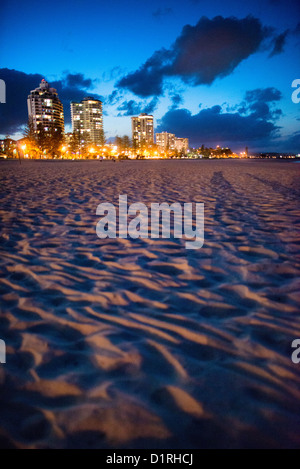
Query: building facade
{"x": 165, "y": 140}
{"x": 181, "y": 145}
{"x": 87, "y": 121}
{"x": 45, "y": 109}
{"x": 142, "y": 130}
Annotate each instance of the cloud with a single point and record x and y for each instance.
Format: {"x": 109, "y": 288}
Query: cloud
{"x": 265, "y": 95}
{"x": 131, "y": 108}
{"x": 162, "y": 12}
{"x": 252, "y": 124}
{"x": 151, "y": 106}
{"x": 14, "y": 114}
{"x": 112, "y": 74}
{"x": 261, "y": 110}
{"x": 278, "y": 43}
{"x": 260, "y": 103}
{"x": 176, "y": 100}
{"x": 114, "y": 97}
{"x": 213, "y": 126}
{"x": 68, "y": 90}
{"x": 211, "y": 49}
{"x": 148, "y": 80}
{"x": 78, "y": 80}
{"x": 215, "y": 47}
{"x": 291, "y": 143}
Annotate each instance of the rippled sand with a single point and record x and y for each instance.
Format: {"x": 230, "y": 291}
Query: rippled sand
{"x": 142, "y": 343}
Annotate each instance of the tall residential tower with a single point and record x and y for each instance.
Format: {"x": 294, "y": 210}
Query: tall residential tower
{"x": 181, "y": 145}
{"x": 142, "y": 130}
{"x": 165, "y": 140}
{"x": 45, "y": 110}
{"x": 87, "y": 120}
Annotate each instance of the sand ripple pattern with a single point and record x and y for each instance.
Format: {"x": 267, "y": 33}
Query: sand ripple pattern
{"x": 142, "y": 343}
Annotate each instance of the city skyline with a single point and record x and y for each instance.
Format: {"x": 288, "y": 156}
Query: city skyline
{"x": 213, "y": 73}
{"x": 46, "y": 120}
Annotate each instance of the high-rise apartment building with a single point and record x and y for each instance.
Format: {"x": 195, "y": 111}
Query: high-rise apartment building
{"x": 181, "y": 144}
{"x": 45, "y": 109}
{"x": 87, "y": 120}
{"x": 142, "y": 130}
{"x": 165, "y": 140}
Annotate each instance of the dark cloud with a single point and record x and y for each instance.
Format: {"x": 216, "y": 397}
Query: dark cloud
{"x": 132, "y": 108}
{"x": 129, "y": 108}
{"x": 151, "y": 106}
{"x": 14, "y": 111}
{"x": 252, "y": 123}
{"x": 68, "y": 92}
{"x": 297, "y": 29}
{"x": 176, "y": 100}
{"x": 162, "y": 12}
{"x": 261, "y": 110}
{"x": 266, "y": 95}
{"x": 114, "y": 97}
{"x": 14, "y": 114}
{"x": 211, "y": 49}
{"x": 260, "y": 103}
{"x": 78, "y": 80}
{"x": 278, "y": 43}
{"x": 214, "y": 48}
{"x": 215, "y": 127}
{"x": 148, "y": 80}
{"x": 291, "y": 143}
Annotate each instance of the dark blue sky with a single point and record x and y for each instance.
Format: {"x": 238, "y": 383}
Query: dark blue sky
{"x": 216, "y": 72}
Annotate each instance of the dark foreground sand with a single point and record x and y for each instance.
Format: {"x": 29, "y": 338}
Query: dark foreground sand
{"x": 142, "y": 343}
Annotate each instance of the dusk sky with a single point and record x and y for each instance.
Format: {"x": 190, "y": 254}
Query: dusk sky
{"x": 219, "y": 73}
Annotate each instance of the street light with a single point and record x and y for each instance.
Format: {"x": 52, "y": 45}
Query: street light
{"x": 23, "y": 148}
{"x": 92, "y": 151}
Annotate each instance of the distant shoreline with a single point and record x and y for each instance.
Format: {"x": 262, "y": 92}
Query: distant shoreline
{"x": 284, "y": 158}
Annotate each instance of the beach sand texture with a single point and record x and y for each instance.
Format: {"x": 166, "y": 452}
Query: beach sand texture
{"x": 124, "y": 343}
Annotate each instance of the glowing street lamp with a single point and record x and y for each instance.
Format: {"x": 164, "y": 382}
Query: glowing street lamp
{"x": 92, "y": 151}
{"x": 23, "y": 148}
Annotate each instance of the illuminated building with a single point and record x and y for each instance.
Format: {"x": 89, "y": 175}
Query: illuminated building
{"x": 87, "y": 120}
{"x": 68, "y": 137}
{"x": 181, "y": 144}
{"x": 165, "y": 140}
{"x": 142, "y": 130}
{"x": 45, "y": 109}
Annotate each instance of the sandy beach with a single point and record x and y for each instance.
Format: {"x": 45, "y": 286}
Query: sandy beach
{"x": 124, "y": 343}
